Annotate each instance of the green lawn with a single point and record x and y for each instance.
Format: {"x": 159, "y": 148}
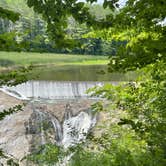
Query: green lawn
{"x": 25, "y": 58}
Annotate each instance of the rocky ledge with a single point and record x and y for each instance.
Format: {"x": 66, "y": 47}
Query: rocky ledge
{"x": 23, "y": 132}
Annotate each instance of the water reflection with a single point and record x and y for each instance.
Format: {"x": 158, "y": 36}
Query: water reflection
{"x": 79, "y": 73}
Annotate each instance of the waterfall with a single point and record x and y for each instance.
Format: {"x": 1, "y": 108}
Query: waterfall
{"x": 58, "y": 130}
{"x": 51, "y": 90}
{"x": 75, "y": 129}
{"x": 71, "y": 131}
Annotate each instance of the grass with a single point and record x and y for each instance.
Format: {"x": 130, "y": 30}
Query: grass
{"x": 61, "y": 67}
{"x": 8, "y": 59}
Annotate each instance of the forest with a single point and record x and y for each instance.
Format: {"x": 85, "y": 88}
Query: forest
{"x": 30, "y": 31}
{"x": 130, "y": 36}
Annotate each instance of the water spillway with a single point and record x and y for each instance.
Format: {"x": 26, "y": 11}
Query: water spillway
{"x": 51, "y": 89}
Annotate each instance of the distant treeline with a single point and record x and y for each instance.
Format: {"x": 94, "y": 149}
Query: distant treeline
{"x": 30, "y": 34}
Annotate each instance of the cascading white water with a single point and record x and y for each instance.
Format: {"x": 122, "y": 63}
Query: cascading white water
{"x": 58, "y": 130}
{"x": 76, "y": 128}
{"x": 71, "y": 131}
{"x": 51, "y": 89}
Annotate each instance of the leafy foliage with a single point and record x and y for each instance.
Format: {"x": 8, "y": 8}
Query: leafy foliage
{"x": 10, "y": 111}
{"x": 140, "y": 23}
{"x": 5, "y": 13}
{"x": 46, "y": 155}
{"x": 117, "y": 147}
{"x": 15, "y": 77}
{"x": 10, "y": 161}
{"x": 58, "y": 14}
{"x": 142, "y": 101}
{"x": 137, "y": 137}
{"x": 29, "y": 32}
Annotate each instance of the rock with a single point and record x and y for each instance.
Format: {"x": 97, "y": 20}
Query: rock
{"x": 24, "y": 132}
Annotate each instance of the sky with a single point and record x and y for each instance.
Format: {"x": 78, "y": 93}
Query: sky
{"x": 122, "y": 2}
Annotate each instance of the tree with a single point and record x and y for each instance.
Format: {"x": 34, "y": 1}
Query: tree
{"x": 29, "y": 32}
{"x": 5, "y": 13}
{"x": 57, "y": 16}
{"x": 142, "y": 24}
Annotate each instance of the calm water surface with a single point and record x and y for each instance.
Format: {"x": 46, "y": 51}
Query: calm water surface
{"x": 79, "y": 73}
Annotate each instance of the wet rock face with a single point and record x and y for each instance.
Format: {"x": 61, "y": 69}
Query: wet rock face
{"x": 48, "y": 126}
{"x": 40, "y": 123}
{"x": 41, "y": 130}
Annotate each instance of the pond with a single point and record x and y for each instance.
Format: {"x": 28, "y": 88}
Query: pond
{"x": 78, "y": 73}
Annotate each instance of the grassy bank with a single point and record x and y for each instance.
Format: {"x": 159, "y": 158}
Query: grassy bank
{"x": 9, "y": 59}
{"x": 61, "y": 67}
